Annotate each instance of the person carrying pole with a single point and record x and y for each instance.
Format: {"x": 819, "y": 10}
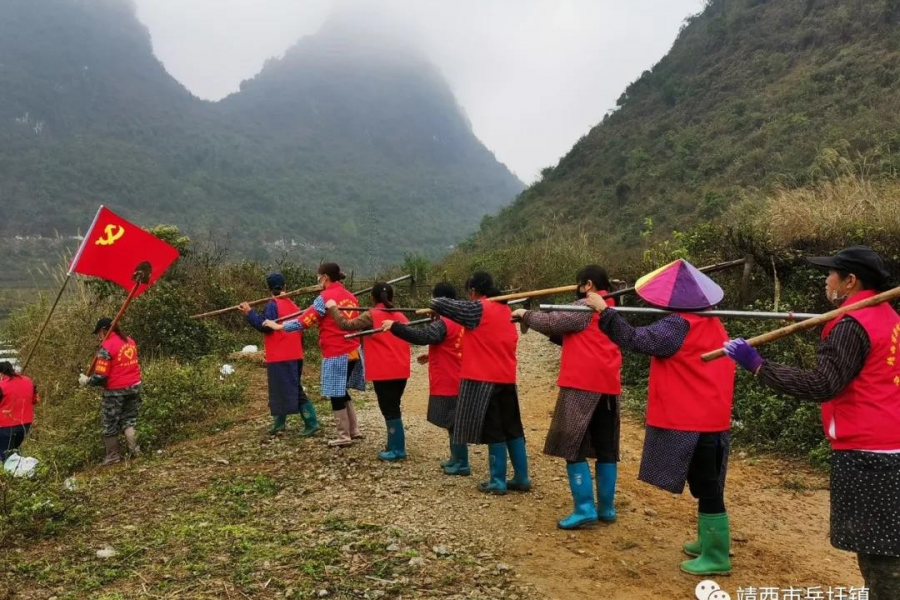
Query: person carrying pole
{"x": 488, "y": 408}
{"x": 387, "y": 367}
{"x": 284, "y": 361}
{"x": 586, "y": 419}
{"x": 856, "y": 380}
{"x": 688, "y": 401}
{"x": 444, "y": 339}
{"x": 118, "y": 372}
{"x": 342, "y": 364}
{"x": 17, "y": 399}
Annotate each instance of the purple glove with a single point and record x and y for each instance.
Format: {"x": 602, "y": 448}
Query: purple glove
{"x": 744, "y": 354}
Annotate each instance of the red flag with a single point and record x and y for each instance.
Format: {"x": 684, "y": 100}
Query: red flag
{"x": 113, "y": 248}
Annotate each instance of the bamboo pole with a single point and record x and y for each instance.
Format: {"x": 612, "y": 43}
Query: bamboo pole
{"x": 304, "y": 290}
{"x": 366, "y": 332}
{"x": 736, "y": 314}
{"x": 398, "y": 280}
{"x": 771, "y": 336}
{"x": 365, "y": 308}
{"x": 354, "y": 308}
{"x": 571, "y": 288}
{"x": 40, "y": 334}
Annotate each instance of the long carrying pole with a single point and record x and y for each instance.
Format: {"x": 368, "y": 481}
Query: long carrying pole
{"x": 367, "y": 332}
{"x": 353, "y": 308}
{"x": 398, "y": 280}
{"x": 304, "y": 290}
{"x": 760, "y": 340}
{"x": 141, "y": 277}
{"x": 737, "y": 314}
{"x": 365, "y": 308}
{"x": 571, "y": 288}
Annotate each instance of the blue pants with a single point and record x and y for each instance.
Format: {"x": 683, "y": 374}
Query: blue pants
{"x": 11, "y": 438}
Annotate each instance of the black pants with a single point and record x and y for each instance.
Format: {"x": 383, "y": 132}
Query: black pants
{"x": 389, "y": 394}
{"x": 11, "y": 438}
{"x": 604, "y": 432}
{"x": 705, "y": 474}
{"x": 502, "y": 421}
{"x": 340, "y": 403}
{"x": 882, "y": 575}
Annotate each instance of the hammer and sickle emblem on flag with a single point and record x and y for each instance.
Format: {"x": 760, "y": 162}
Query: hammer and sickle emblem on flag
{"x": 113, "y": 233}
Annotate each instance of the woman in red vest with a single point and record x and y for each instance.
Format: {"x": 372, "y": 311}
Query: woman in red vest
{"x": 487, "y": 411}
{"x": 688, "y": 401}
{"x": 387, "y": 363}
{"x": 284, "y": 361}
{"x": 857, "y": 382}
{"x": 586, "y": 420}
{"x": 342, "y": 365}
{"x": 444, "y": 339}
{"x": 118, "y": 372}
{"x": 17, "y": 399}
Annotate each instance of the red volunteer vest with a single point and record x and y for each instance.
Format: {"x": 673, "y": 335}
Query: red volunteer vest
{"x": 331, "y": 338}
{"x": 590, "y": 360}
{"x": 387, "y": 356}
{"x": 687, "y": 394}
{"x": 865, "y": 415}
{"x": 281, "y": 346}
{"x": 123, "y": 370}
{"x": 490, "y": 354}
{"x": 445, "y": 361}
{"x": 17, "y": 403}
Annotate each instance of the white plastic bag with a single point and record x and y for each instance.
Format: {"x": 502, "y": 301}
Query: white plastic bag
{"x": 249, "y": 349}
{"x": 21, "y": 466}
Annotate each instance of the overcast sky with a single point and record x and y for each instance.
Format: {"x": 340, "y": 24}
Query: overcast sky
{"x": 532, "y": 75}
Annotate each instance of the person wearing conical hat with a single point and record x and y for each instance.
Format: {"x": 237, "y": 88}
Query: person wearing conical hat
{"x": 586, "y": 419}
{"x": 688, "y": 401}
{"x": 857, "y": 382}
{"x": 284, "y": 361}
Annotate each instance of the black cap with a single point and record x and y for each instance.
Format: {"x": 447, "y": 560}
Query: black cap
{"x": 102, "y": 324}
{"x": 862, "y": 261}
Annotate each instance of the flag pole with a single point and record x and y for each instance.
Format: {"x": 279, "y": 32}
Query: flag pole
{"x": 62, "y": 289}
{"x": 141, "y": 277}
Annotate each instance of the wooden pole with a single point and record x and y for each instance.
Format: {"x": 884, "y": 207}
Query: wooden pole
{"x": 141, "y": 277}
{"x": 369, "y": 289}
{"x": 40, "y": 334}
{"x": 354, "y": 308}
{"x": 733, "y": 314}
{"x": 364, "y": 308}
{"x": 366, "y": 332}
{"x": 771, "y": 336}
{"x": 304, "y": 290}
{"x": 571, "y": 288}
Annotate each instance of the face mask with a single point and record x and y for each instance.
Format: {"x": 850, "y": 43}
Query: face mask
{"x": 836, "y": 299}
{"x": 579, "y": 294}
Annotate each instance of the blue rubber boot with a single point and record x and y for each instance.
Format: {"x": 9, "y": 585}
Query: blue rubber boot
{"x": 497, "y": 467}
{"x": 460, "y": 453}
{"x": 606, "y": 491}
{"x": 519, "y": 459}
{"x": 310, "y": 420}
{"x": 582, "y": 488}
{"x": 450, "y": 461}
{"x": 396, "y": 446}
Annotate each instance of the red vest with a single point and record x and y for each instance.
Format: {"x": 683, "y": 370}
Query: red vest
{"x": 281, "y": 346}
{"x": 123, "y": 370}
{"x": 387, "y": 356}
{"x": 490, "y": 353}
{"x": 331, "y": 338}
{"x": 687, "y": 394}
{"x": 17, "y": 403}
{"x": 445, "y": 361}
{"x": 865, "y": 415}
{"x": 590, "y": 360}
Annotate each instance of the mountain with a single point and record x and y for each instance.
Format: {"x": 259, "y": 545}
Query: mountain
{"x": 351, "y": 146}
{"x": 753, "y": 95}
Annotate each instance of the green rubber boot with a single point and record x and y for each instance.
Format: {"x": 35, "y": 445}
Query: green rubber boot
{"x": 310, "y": 420}
{"x": 715, "y": 542}
{"x": 278, "y": 422}
{"x": 694, "y": 547}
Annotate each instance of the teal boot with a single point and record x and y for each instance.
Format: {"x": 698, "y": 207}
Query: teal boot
{"x": 715, "y": 543}
{"x": 497, "y": 468}
{"x": 582, "y": 488}
{"x": 277, "y": 426}
{"x": 310, "y": 420}
{"x": 396, "y": 445}
{"x": 519, "y": 459}
{"x": 452, "y": 460}
{"x": 606, "y": 491}
{"x": 460, "y": 453}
